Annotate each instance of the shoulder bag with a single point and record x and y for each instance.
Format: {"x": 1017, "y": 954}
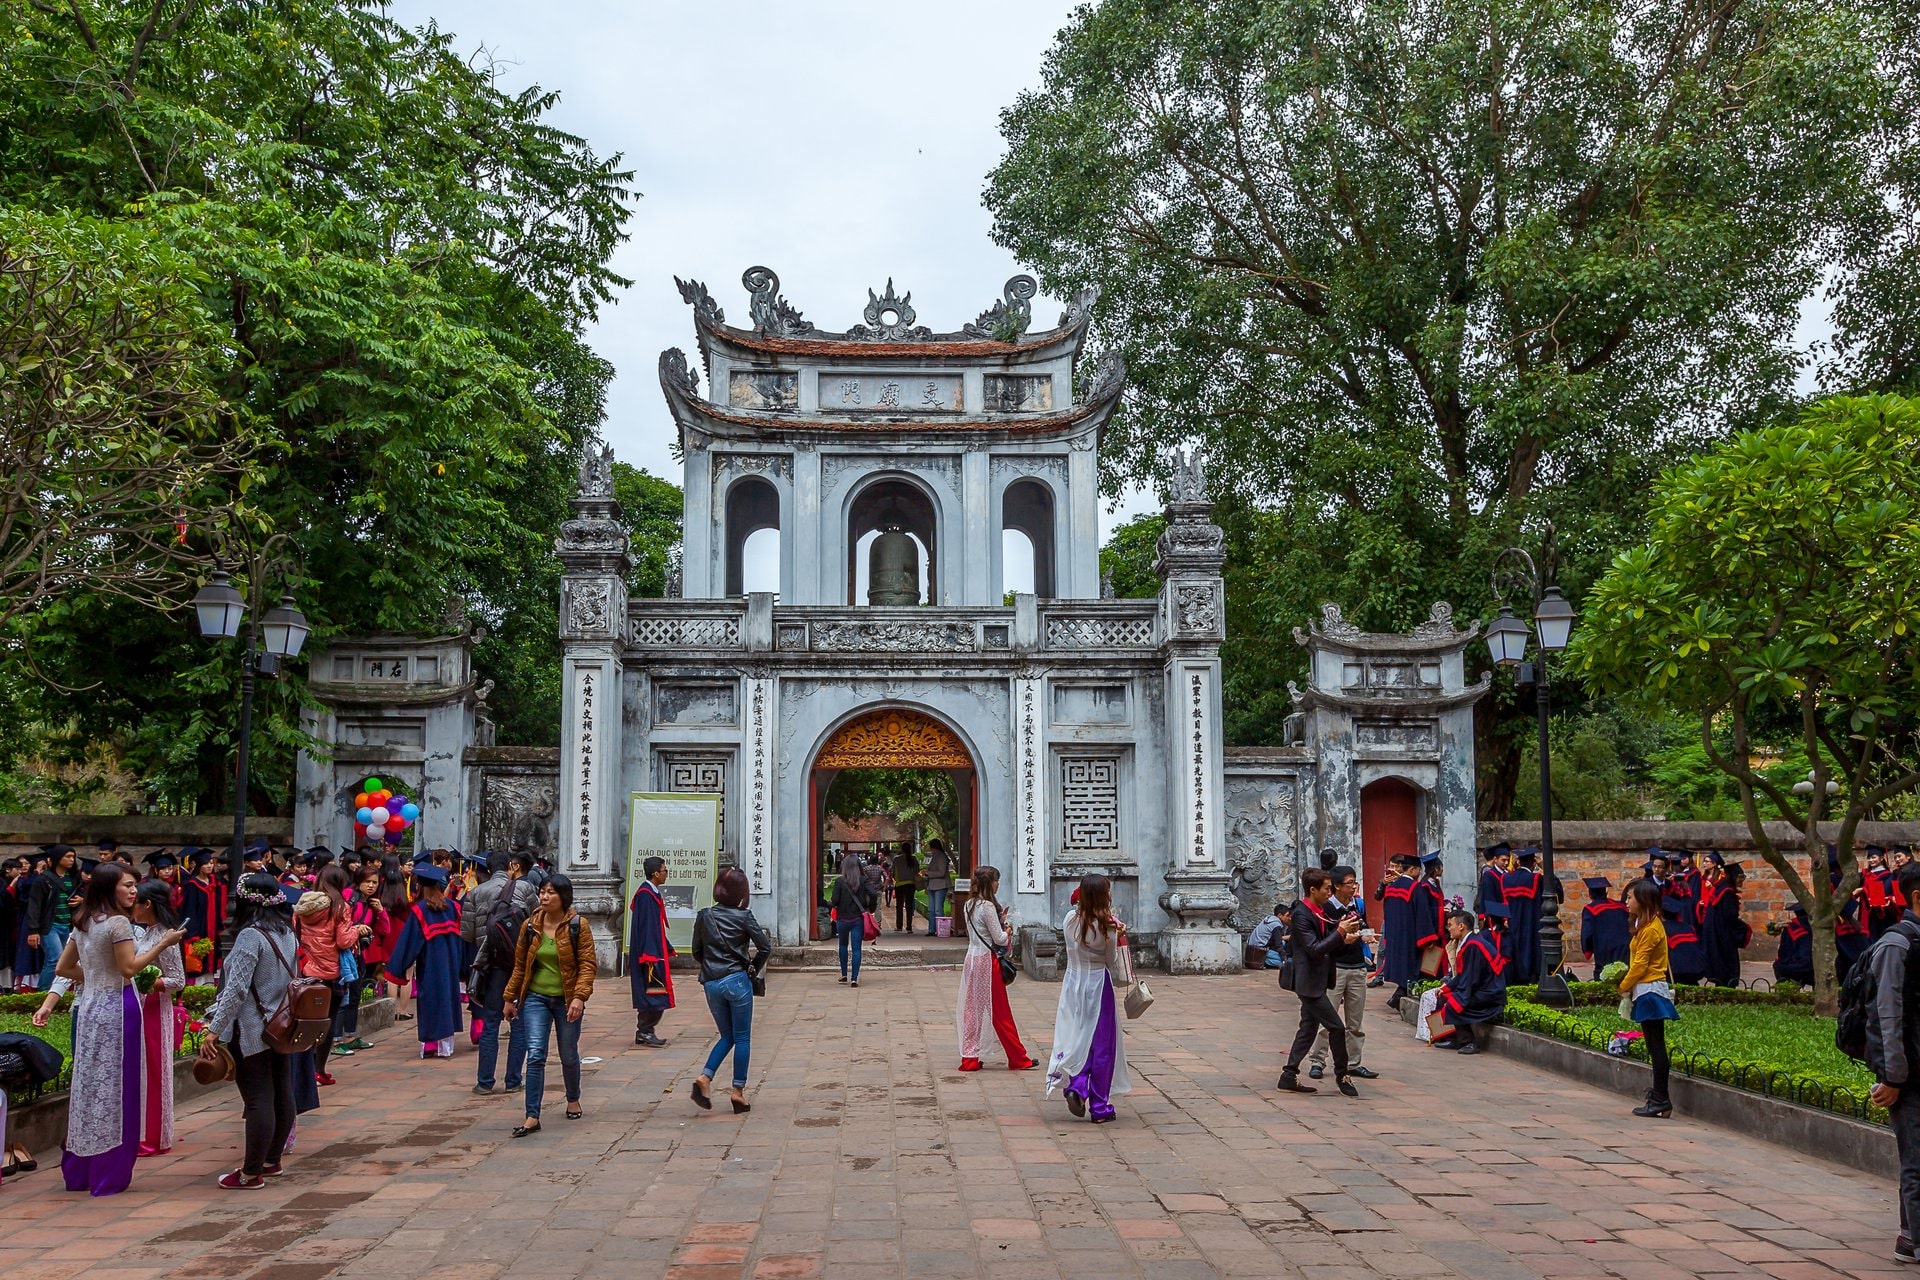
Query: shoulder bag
{"x": 303, "y": 1018}
{"x": 1008, "y": 969}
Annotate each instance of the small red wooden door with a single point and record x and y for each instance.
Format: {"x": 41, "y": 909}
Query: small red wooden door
{"x": 1389, "y": 824}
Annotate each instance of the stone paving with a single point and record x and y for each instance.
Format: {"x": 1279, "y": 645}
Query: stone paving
{"x": 869, "y": 1155}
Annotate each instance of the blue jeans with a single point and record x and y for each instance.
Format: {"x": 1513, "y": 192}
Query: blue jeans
{"x": 730, "y": 1000}
{"x": 516, "y": 1048}
{"x": 856, "y": 930}
{"x": 538, "y": 1013}
{"x": 52, "y": 943}
{"x": 936, "y": 907}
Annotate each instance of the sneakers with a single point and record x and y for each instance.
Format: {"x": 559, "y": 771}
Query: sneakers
{"x": 1346, "y": 1086}
{"x": 1364, "y": 1073}
{"x": 1903, "y": 1252}
{"x": 239, "y": 1181}
{"x": 270, "y": 1171}
{"x": 482, "y": 1090}
{"x": 650, "y": 1041}
{"x": 356, "y": 1044}
{"x": 1316, "y": 1071}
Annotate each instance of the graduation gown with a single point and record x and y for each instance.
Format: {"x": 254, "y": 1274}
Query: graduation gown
{"x": 1606, "y": 935}
{"x": 1478, "y": 991}
{"x": 1795, "y": 961}
{"x": 1722, "y": 934}
{"x": 203, "y": 912}
{"x": 429, "y": 943}
{"x": 1398, "y": 930}
{"x": 1685, "y": 956}
{"x": 1520, "y": 890}
{"x": 1429, "y": 914}
{"x": 649, "y": 954}
{"x": 1849, "y": 940}
{"x": 1884, "y": 917}
{"x": 1492, "y": 888}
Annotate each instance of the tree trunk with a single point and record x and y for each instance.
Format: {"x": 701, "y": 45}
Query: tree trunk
{"x": 1826, "y": 958}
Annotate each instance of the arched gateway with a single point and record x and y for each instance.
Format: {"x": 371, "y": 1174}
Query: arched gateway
{"x": 891, "y": 465}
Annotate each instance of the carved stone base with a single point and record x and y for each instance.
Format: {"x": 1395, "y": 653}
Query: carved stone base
{"x": 1200, "y": 939}
{"x": 1201, "y": 950}
{"x": 597, "y": 898}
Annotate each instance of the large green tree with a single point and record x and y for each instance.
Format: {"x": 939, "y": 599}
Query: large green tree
{"x": 1437, "y": 276}
{"x": 399, "y": 259}
{"x": 1781, "y": 585}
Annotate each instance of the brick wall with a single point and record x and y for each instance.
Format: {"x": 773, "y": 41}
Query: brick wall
{"x": 1616, "y": 850}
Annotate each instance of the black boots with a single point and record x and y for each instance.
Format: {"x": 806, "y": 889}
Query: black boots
{"x": 1290, "y": 1082}
{"x": 1656, "y": 1107}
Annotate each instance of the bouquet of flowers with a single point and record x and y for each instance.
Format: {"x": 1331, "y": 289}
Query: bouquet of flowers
{"x": 202, "y": 947}
{"x": 144, "y": 981}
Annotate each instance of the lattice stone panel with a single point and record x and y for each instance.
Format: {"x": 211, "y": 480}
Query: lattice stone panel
{"x": 1099, "y": 633}
{"x": 692, "y": 633}
{"x": 1090, "y": 802}
{"x": 707, "y": 777}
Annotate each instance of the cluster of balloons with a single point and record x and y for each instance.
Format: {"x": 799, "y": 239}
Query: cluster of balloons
{"x": 379, "y": 814}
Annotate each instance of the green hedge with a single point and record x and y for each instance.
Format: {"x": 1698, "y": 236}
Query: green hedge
{"x": 1821, "y": 1089}
{"x": 197, "y": 999}
{"x": 1606, "y": 993}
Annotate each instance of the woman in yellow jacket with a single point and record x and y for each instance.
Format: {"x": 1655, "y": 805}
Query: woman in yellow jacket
{"x": 553, "y": 972}
{"x": 1647, "y": 990}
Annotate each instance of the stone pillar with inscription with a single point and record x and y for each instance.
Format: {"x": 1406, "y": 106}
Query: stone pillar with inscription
{"x": 1199, "y": 900}
{"x": 593, "y": 617}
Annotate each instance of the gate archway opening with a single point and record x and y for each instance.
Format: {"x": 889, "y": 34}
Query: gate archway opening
{"x": 898, "y": 763}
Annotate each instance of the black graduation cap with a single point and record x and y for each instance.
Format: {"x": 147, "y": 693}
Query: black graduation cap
{"x": 1528, "y": 854}
{"x": 195, "y": 857}
{"x": 259, "y": 846}
{"x": 430, "y": 873}
{"x": 1717, "y": 858}
{"x": 88, "y": 864}
{"x": 478, "y": 860}
{"x": 162, "y": 860}
{"x": 1496, "y": 910}
{"x": 1493, "y": 851}
{"x": 1599, "y": 884}
{"x": 1739, "y": 868}
{"x": 1430, "y": 859}
{"x": 1685, "y": 855}
{"x": 107, "y": 844}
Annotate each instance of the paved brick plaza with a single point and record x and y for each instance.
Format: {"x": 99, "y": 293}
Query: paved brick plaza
{"x": 868, "y": 1155}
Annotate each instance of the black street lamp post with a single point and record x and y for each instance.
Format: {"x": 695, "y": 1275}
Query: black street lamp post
{"x": 1514, "y": 571}
{"x": 274, "y": 638}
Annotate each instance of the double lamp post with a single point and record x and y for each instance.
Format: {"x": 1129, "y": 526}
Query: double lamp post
{"x": 1514, "y": 573}
{"x": 274, "y": 638}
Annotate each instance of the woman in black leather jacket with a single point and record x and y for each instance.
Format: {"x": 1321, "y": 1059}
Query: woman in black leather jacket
{"x": 731, "y": 976}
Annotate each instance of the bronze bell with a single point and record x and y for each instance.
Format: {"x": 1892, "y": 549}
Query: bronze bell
{"x": 893, "y": 568}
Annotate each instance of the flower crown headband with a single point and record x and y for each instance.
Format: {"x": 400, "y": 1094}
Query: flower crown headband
{"x": 262, "y": 899}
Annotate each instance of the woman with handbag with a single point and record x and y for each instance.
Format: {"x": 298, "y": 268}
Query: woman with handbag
{"x": 851, "y": 906}
{"x": 327, "y": 934}
{"x": 364, "y": 909}
{"x": 984, "y": 976}
{"x": 732, "y": 975}
{"x": 1646, "y": 991}
{"x": 1089, "y": 1058}
{"x": 153, "y": 919}
{"x": 254, "y": 979}
{"x": 554, "y": 965}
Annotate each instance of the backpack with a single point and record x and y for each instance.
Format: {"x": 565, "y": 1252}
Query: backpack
{"x": 1858, "y": 996}
{"x": 304, "y": 1018}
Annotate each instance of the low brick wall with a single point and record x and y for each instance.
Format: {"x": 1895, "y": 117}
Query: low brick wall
{"x": 1616, "y": 850}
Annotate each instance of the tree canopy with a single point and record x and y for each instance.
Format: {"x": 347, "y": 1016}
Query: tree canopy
{"x": 1439, "y": 276}
{"x": 1781, "y": 580}
{"x": 387, "y": 261}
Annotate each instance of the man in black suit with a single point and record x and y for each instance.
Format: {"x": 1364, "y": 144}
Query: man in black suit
{"x": 1315, "y": 940}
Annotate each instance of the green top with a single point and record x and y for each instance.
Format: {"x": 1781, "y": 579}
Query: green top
{"x": 64, "y": 887}
{"x": 546, "y": 969}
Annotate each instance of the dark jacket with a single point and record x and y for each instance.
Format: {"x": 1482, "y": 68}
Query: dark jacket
{"x": 720, "y": 938}
{"x": 1892, "y": 1023}
{"x": 851, "y": 897}
{"x": 41, "y": 899}
{"x": 1314, "y": 941}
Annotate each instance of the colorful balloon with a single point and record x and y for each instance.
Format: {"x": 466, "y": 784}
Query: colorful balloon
{"x": 379, "y": 818}
{"x": 410, "y": 811}
{"x": 393, "y": 837}
{"x": 363, "y": 815}
{"x": 373, "y": 784}
{"x": 360, "y": 801}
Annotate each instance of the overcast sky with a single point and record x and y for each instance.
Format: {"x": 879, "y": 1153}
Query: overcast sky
{"x": 839, "y": 143}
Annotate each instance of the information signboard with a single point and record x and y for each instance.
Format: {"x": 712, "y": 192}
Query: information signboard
{"x": 683, "y": 828}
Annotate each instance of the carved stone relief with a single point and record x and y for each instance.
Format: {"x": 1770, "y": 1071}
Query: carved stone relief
{"x": 894, "y": 637}
{"x": 587, "y": 606}
{"x": 775, "y": 392}
{"x": 1197, "y": 607}
{"x": 517, "y": 811}
{"x": 1262, "y": 839}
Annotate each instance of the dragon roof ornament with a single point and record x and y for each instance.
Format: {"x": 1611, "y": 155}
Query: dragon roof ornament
{"x": 888, "y": 316}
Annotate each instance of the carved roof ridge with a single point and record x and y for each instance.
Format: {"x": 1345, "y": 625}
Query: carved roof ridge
{"x": 779, "y": 328}
{"x": 1435, "y": 635}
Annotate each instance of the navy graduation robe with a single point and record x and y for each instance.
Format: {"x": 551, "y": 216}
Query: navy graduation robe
{"x": 1428, "y": 903}
{"x": 1849, "y": 939}
{"x": 649, "y": 954}
{"x": 1478, "y": 992}
{"x": 203, "y": 912}
{"x": 1685, "y": 956}
{"x": 1795, "y": 961}
{"x": 1520, "y": 890}
{"x": 1491, "y": 889}
{"x": 1722, "y": 934}
{"x": 1606, "y": 935}
{"x": 429, "y": 943}
{"x": 1398, "y": 931}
